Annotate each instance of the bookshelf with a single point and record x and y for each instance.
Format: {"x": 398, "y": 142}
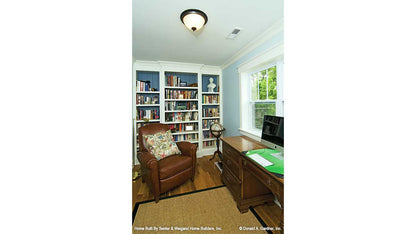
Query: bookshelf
{"x": 211, "y": 109}
{"x": 146, "y": 88}
{"x": 179, "y": 95}
{"x": 181, "y": 105}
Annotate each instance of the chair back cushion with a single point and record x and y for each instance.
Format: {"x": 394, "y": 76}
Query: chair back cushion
{"x": 161, "y": 144}
{"x": 150, "y": 129}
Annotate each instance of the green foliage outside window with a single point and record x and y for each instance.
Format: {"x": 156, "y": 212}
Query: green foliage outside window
{"x": 261, "y": 109}
{"x": 263, "y": 88}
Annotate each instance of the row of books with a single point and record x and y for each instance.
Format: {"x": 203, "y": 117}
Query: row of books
{"x": 142, "y": 99}
{"x": 208, "y": 143}
{"x": 183, "y": 127}
{"x": 207, "y": 134}
{"x": 206, "y": 124}
{"x": 178, "y": 116}
{"x": 187, "y": 137}
{"x": 175, "y": 81}
{"x": 210, "y": 112}
{"x": 147, "y": 114}
{"x": 181, "y": 94}
{"x": 210, "y": 99}
{"x": 173, "y": 105}
{"x": 143, "y": 86}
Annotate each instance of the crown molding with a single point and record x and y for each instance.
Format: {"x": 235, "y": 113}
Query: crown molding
{"x": 270, "y": 55}
{"x": 210, "y": 69}
{"x": 146, "y": 65}
{"x": 178, "y": 66}
{"x": 260, "y": 39}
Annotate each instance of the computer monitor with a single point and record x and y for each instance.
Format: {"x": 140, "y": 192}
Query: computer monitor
{"x": 272, "y": 134}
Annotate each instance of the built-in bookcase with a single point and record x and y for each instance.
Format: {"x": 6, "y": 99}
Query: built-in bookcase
{"x": 211, "y": 111}
{"x": 147, "y": 100}
{"x": 181, "y": 105}
{"x": 177, "y": 94}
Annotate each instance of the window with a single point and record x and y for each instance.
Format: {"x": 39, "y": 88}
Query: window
{"x": 261, "y": 90}
{"x": 263, "y": 86}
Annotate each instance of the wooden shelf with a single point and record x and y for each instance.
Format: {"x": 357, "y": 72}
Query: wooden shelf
{"x": 177, "y": 122}
{"x": 183, "y": 100}
{"x": 193, "y": 141}
{"x": 184, "y": 132}
{"x": 148, "y": 92}
{"x": 173, "y": 111}
{"x": 145, "y": 105}
{"x": 173, "y": 87}
{"x": 209, "y": 139}
{"x": 150, "y": 120}
{"x": 211, "y": 117}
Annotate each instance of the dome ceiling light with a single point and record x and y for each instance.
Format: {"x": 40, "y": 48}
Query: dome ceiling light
{"x": 194, "y": 19}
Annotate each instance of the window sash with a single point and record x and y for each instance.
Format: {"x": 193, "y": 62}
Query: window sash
{"x": 255, "y": 75}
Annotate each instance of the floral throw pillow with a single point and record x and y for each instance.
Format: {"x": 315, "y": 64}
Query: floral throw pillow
{"x": 161, "y": 144}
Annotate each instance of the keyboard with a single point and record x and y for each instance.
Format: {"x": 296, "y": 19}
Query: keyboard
{"x": 260, "y": 160}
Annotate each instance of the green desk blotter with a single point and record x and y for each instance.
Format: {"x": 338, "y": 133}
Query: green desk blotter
{"x": 278, "y": 165}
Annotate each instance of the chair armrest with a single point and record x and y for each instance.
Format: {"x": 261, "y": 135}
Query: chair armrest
{"x": 147, "y": 159}
{"x": 187, "y": 148}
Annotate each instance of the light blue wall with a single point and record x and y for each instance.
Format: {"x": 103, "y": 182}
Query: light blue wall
{"x": 231, "y": 92}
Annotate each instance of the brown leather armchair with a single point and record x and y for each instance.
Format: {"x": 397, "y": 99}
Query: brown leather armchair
{"x": 169, "y": 172}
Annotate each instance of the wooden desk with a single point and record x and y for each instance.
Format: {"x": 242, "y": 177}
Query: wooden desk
{"x": 249, "y": 183}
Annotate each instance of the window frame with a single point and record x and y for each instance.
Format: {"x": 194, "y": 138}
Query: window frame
{"x": 271, "y": 57}
{"x": 253, "y": 102}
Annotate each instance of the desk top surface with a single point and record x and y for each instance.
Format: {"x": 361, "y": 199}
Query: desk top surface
{"x": 244, "y": 143}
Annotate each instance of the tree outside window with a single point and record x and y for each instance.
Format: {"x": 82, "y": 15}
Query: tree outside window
{"x": 263, "y": 95}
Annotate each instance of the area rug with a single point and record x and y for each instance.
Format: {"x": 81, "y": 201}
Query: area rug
{"x": 211, "y": 210}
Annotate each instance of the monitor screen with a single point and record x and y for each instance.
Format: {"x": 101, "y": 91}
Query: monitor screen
{"x": 273, "y": 129}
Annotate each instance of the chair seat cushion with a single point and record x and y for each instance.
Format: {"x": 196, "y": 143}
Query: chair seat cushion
{"x": 172, "y": 165}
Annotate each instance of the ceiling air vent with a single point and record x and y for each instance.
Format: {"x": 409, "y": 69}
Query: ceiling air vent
{"x": 234, "y": 33}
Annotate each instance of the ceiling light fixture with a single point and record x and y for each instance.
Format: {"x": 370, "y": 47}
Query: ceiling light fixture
{"x": 194, "y": 19}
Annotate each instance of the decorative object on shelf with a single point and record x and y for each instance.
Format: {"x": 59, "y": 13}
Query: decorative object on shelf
{"x": 216, "y": 130}
{"x": 183, "y": 84}
{"x": 211, "y": 86}
{"x": 193, "y": 85}
{"x": 194, "y": 19}
{"x": 188, "y": 116}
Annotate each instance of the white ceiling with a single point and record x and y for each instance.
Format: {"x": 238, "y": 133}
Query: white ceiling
{"x": 158, "y": 33}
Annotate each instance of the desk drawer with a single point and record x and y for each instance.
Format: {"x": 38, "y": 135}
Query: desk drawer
{"x": 263, "y": 177}
{"x": 232, "y": 166}
{"x": 233, "y": 184}
{"x": 229, "y": 152}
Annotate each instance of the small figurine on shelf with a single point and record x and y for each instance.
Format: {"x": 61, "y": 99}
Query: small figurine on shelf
{"x": 188, "y": 116}
{"x": 211, "y": 86}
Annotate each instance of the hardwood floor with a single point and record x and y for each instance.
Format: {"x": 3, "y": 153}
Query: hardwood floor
{"x": 207, "y": 175}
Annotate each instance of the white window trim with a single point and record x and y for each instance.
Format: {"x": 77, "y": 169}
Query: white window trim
{"x": 268, "y": 58}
